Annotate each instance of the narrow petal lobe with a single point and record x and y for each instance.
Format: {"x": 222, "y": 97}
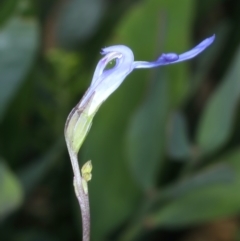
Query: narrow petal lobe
{"x": 171, "y": 58}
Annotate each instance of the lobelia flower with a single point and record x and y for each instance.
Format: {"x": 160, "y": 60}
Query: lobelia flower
{"x": 106, "y": 81}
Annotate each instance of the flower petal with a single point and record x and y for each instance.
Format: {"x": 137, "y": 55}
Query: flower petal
{"x": 106, "y": 81}
{"x": 171, "y": 58}
{"x": 102, "y": 64}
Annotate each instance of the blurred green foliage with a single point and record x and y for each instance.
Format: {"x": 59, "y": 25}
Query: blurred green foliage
{"x": 164, "y": 147}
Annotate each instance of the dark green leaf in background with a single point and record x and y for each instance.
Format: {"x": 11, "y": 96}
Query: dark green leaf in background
{"x": 217, "y": 121}
{"x": 18, "y": 46}
{"x": 146, "y": 134}
{"x": 205, "y": 199}
{"x": 216, "y": 174}
{"x": 219, "y": 174}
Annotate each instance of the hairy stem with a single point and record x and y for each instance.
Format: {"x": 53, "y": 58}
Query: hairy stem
{"x": 82, "y": 197}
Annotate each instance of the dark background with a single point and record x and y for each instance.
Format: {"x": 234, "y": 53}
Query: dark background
{"x": 164, "y": 147}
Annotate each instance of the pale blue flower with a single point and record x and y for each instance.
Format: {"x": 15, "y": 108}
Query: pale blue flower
{"x": 106, "y": 81}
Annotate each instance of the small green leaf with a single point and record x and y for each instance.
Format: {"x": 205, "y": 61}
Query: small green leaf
{"x": 18, "y": 46}
{"x": 11, "y": 191}
{"x": 217, "y": 121}
{"x": 86, "y": 171}
{"x": 178, "y": 143}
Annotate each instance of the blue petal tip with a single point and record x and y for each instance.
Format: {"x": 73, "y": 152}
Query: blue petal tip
{"x": 211, "y": 39}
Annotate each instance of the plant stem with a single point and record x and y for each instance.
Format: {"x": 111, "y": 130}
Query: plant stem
{"x": 82, "y": 197}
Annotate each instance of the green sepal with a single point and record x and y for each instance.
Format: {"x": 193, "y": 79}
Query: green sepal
{"x": 77, "y": 126}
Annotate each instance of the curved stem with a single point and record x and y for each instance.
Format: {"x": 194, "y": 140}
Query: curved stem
{"x": 82, "y": 197}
